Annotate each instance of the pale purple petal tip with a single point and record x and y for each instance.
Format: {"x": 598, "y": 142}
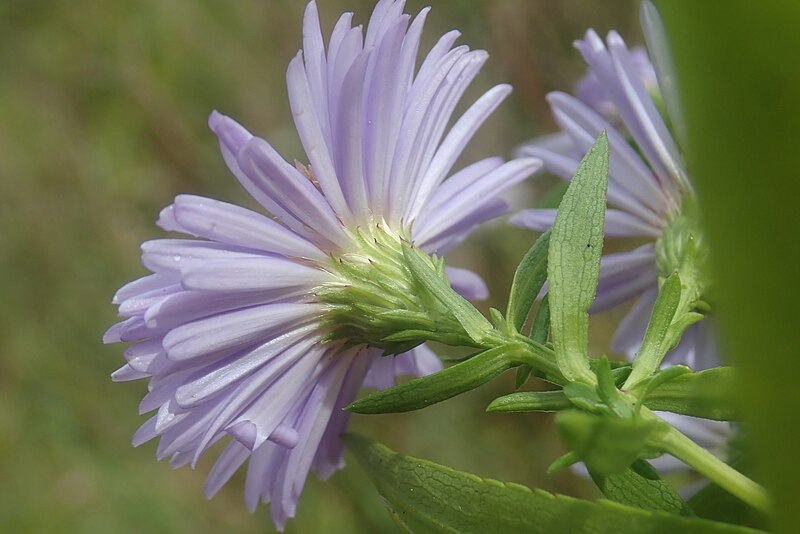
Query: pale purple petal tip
{"x": 230, "y": 133}
{"x": 419, "y": 361}
{"x": 245, "y": 432}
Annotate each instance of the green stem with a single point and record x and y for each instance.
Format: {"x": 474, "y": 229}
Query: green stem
{"x": 538, "y": 357}
{"x": 705, "y": 463}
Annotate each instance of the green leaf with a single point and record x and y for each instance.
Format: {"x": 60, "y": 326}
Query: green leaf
{"x": 621, "y": 372}
{"x": 424, "y": 497}
{"x": 540, "y": 331}
{"x": 607, "y": 445}
{"x": 709, "y": 394}
{"x": 475, "y": 325}
{"x": 427, "y": 390}
{"x": 530, "y": 401}
{"x": 654, "y": 345}
{"x": 641, "y": 486}
{"x": 658, "y": 380}
{"x": 415, "y": 337}
{"x": 664, "y": 376}
{"x": 679, "y": 326}
{"x": 576, "y": 244}
{"x": 528, "y": 281}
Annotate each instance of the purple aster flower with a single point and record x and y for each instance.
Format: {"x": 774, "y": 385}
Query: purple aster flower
{"x": 649, "y": 192}
{"x": 262, "y": 327}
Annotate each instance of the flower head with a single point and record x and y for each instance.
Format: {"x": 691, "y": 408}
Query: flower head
{"x": 264, "y": 327}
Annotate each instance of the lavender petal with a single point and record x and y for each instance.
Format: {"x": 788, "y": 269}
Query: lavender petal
{"x": 467, "y": 283}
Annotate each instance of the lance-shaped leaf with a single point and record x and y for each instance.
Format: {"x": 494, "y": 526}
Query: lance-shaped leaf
{"x": 531, "y": 401}
{"x": 540, "y": 329}
{"x": 655, "y": 344}
{"x": 641, "y": 486}
{"x": 710, "y": 394}
{"x": 573, "y": 266}
{"x": 607, "y": 445}
{"x": 427, "y": 390}
{"x": 474, "y": 324}
{"x": 424, "y": 497}
{"x": 528, "y": 281}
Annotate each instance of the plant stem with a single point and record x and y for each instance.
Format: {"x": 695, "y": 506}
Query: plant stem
{"x": 705, "y": 463}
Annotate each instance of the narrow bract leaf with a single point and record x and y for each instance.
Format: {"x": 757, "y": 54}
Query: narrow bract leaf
{"x": 420, "y": 336}
{"x": 679, "y": 326}
{"x": 531, "y": 401}
{"x": 424, "y": 497}
{"x": 528, "y": 281}
{"x": 584, "y": 396}
{"x": 562, "y": 462}
{"x": 641, "y": 486}
{"x": 474, "y": 324}
{"x": 608, "y": 392}
{"x": 573, "y": 266}
{"x": 709, "y": 394}
{"x": 498, "y": 320}
{"x": 427, "y": 390}
{"x": 654, "y": 346}
{"x": 658, "y": 380}
{"x": 620, "y": 373}
{"x": 540, "y": 331}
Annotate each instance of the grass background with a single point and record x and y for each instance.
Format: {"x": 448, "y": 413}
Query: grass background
{"x": 103, "y": 109}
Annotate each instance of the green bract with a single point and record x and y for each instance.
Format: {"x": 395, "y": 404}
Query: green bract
{"x": 381, "y": 300}
{"x": 656, "y": 341}
{"x": 683, "y": 249}
{"x": 528, "y": 281}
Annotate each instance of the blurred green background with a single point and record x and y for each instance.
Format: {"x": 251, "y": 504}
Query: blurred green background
{"x": 103, "y": 109}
